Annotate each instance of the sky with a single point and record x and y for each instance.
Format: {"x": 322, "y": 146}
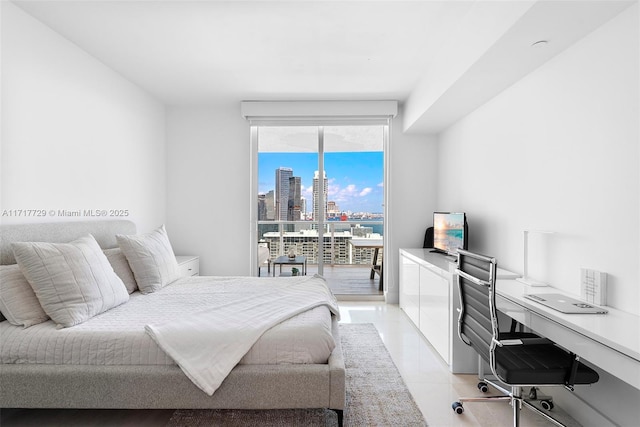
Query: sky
{"x": 355, "y": 178}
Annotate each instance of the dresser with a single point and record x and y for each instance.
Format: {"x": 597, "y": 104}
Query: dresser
{"x": 429, "y": 296}
{"x": 189, "y": 265}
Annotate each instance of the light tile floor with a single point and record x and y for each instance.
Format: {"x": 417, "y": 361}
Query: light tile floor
{"x": 427, "y": 376}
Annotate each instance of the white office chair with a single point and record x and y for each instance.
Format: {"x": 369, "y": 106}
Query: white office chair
{"x": 264, "y": 257}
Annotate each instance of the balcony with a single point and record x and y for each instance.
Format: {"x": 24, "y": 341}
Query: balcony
{"x": 348, "y": 250}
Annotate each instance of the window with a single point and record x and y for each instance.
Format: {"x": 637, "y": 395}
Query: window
{"x": 318, "y": 180}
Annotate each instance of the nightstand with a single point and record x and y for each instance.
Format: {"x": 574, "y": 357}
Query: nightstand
{"x": 189, "y": 265}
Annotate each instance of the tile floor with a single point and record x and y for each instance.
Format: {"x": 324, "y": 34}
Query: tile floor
{"x": 428, "y": 378}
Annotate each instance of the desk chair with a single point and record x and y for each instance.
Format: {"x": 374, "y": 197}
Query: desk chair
{"x": 264, "y": 257}
{"x": 516, "y": 359}
{"x": 377, "y": 266}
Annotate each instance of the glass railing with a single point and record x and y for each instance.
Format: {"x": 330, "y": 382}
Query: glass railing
{"x": 351, "y": 242}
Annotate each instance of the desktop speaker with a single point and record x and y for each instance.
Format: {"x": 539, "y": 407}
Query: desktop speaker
{"x": 428, "y": 238}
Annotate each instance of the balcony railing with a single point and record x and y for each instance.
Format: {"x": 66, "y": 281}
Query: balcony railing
{"x": 280, "y": 236}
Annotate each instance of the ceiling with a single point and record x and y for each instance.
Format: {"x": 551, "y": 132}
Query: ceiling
{"x": 208, "y": 51}
{"x": 187, "y": 52}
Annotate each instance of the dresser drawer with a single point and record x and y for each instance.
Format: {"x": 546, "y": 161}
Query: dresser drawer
{"x": 188, "y": 265}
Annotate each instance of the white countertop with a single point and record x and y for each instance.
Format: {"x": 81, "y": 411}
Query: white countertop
{"x": 617, "y": 329}
{"x": 446, "y": 262}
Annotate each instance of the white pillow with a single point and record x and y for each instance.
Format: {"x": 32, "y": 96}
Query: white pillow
{"x": 151, "y": 259}
{"x": 18, "y": 303}
{"x": 73, "y": 281}
{"x": 121, "y": 267}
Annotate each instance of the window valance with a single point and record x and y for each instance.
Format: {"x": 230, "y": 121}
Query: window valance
{"x": 318, "y": 112}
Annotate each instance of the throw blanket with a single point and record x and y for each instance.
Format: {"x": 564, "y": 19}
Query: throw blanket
{"x": 207, "y": 345}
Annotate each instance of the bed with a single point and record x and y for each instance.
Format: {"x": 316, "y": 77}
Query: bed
{"x": 148, "y": 378}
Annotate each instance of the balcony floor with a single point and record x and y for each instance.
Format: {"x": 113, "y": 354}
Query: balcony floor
{"x": 350, "y": 280}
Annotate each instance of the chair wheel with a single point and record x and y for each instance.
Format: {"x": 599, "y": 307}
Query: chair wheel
{"x": 546, "y": 404}
{"x": 483, "y": 387}
{"x": 457, "y": 407}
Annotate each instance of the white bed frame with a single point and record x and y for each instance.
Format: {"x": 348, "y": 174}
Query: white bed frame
{"x": 157, "y": 387}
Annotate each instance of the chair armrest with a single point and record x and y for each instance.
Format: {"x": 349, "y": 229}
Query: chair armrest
{"x": 524, "y": 341}
{"x": 571, "y": 379}
{"x": 522, "y": 338}
{"x": 536, "y": 341}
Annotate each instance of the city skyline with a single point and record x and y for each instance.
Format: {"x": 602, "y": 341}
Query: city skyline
{"x": 355, "y": 179}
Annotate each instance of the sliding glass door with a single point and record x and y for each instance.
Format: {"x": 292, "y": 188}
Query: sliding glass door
{"x": 320, "y": 194}
{"x": 287, "y": 158}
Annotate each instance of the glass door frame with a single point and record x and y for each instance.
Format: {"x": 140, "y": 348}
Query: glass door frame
{"x": 253, "y": 205}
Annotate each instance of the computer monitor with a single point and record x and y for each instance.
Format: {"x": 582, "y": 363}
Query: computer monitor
{"x": 450, "y": 232}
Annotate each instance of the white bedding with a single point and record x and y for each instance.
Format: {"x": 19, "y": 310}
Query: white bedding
{"x": 208, "y": 344}
{"x": 117, "y": 337}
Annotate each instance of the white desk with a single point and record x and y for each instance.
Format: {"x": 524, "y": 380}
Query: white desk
{"x": 609, "y": 341}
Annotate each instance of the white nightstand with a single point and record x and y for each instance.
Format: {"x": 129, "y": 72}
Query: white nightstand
{"x": 189, "y": 265}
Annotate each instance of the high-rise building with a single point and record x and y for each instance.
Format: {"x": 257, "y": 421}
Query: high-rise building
{"x": 265, "y": 206}
{"x": 270, "y": 202}
{"x": 333, "y": 210}
{"x": 282, "y": 193}
{"x": 294, "y": 203}
{"x": 262, "y": 207}
{"x": 316, "y": 193}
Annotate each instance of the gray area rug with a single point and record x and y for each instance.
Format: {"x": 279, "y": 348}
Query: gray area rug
{"x": 376, "y": 394}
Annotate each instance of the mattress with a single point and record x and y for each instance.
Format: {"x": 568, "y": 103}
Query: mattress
{"x": 117, "y": 337}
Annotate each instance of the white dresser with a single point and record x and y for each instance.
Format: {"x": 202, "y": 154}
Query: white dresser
{"x": 189, "y": 265}
{"x": 430, "y": 298}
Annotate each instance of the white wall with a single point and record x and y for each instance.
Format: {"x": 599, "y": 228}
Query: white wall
{"x": 208, "y": 190}
{"x": 75, "y": 135}
{"x": 208, "y": 167}
{"x": 412, "y": 197}
{"x": 559, "y": 151}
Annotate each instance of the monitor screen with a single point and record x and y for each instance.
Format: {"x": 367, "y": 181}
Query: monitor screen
{"x": 449, "y": 232}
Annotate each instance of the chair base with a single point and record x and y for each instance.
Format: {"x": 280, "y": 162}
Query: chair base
{"x": 515, "y": 399}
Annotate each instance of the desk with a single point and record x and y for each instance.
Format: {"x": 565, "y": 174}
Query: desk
{"x": 376, "y": 245}
{"x": 284, "y": 259}
{"x": 609, "y": 341}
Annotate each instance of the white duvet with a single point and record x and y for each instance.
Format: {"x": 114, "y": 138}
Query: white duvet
{"x": 117, "y": 337}
{"x": 207, "y": 344}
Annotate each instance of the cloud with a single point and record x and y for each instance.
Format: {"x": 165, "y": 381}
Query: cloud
{"x": 350, "y": 189}
{"x": 349, "y": 197}
{"x": 341, "y": 194}
{"x": 365, "y": 191}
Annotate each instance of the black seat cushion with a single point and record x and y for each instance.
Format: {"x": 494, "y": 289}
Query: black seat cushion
{"x": 539, "y": 364}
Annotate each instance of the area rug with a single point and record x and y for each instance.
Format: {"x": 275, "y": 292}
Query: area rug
{"x": 376, "y": 394}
